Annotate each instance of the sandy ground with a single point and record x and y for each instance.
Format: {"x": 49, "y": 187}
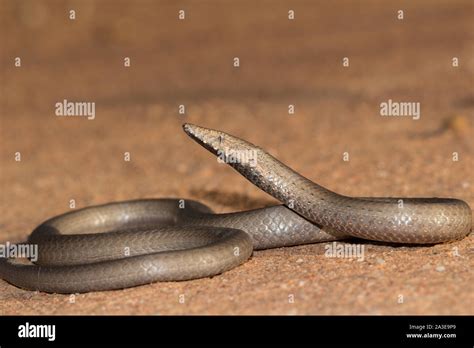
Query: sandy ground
{"x": 282, "y": 62}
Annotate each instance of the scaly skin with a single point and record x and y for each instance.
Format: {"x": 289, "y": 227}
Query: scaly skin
{"x": 155, "y": 240}
{"x": 397, "y": 220}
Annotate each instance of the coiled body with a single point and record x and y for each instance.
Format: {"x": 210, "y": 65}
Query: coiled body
{"x": 125, "y": 244}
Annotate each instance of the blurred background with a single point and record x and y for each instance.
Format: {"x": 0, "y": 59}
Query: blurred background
{"x": 283, "y": 62}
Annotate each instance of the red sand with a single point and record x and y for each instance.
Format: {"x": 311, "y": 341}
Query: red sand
{"x": 282, "y": 62}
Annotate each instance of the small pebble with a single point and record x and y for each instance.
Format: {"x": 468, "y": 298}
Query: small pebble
{"x": 380, "y": 261}
{"x": 299, "y": 261}
{"x": 440, "y": 268}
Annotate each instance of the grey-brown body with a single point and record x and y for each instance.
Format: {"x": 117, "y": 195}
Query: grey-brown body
{"x": 160, "y": 240}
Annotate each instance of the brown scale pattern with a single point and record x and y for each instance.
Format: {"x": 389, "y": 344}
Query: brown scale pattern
{"x": 167, "y": 243}
{"x": 418, "y": 221}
